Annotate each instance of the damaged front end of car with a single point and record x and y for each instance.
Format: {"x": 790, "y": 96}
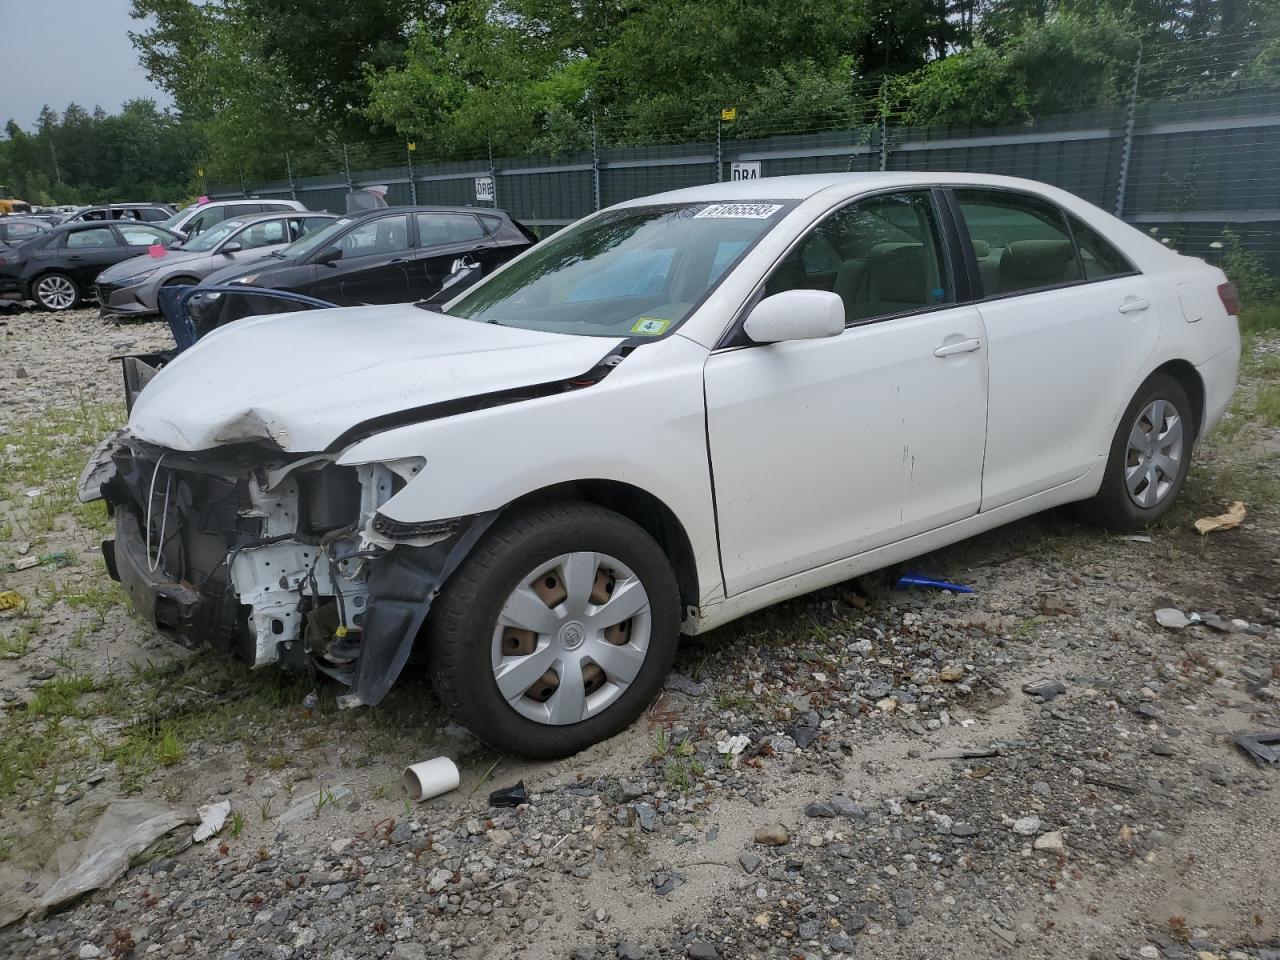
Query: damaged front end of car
{"x": 275, "y": 558}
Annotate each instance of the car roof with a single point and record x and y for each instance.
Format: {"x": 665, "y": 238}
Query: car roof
{"x": 804, "y": 186}
{"x": 92, "y": 224}
{"x": 249, "y": 218}
{"x": 238, "y": 200}
{"x": 361, "y": 214}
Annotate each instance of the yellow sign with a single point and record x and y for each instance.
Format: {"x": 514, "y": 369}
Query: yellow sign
{"x": 413, "y": 146}
{"x": 729, "y": 114}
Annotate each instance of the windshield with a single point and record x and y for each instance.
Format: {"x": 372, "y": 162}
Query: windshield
{"x": 315, "y": 241}
{"x": 172, "y": 222}
{"x": 639, "y": 271}
{"x": 206, "y": 241}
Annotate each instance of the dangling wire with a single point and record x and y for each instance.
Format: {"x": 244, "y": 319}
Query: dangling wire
{"x": 164, "y": 515}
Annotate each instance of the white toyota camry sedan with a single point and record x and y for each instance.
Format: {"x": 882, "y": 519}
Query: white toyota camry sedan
{"x": 677, "y": 411}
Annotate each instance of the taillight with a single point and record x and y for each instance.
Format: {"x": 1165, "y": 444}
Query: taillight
{"x": 1230, "y": 298}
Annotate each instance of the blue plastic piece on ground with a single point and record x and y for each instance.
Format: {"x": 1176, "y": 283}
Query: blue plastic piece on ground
{"x": 915, "y": 580}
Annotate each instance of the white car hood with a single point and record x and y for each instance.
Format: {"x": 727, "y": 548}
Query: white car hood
{"x": 300, "y": 380}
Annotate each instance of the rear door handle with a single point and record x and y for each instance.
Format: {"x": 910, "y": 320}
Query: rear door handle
{"x": 962, "y": 346}
{"x": 1134, "y": 305}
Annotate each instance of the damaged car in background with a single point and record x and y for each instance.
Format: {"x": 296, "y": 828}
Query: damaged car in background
{"x": 679, "y": 410}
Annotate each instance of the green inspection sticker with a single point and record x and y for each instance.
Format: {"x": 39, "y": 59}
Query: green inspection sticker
{"x": 651, "y": 326}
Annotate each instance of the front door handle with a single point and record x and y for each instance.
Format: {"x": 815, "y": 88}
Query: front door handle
{"x": 961, "y": 346}
{"x": 1134, "y": 305}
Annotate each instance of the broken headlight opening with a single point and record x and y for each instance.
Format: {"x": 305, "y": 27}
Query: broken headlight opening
{"x": 275, "y": 559}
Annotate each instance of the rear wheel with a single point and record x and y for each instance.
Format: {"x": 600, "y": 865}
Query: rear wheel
{"x": 55, "y": 291}
{"x": 557, "y": 631}
{"x": 1149, "y": 459}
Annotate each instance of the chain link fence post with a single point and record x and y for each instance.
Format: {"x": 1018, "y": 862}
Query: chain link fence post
{"x": 493, "y": 176}
{"x": 595, "y": 162}
{"x": 288, "y": 166}
{"x": 413, "y": 183}
{"x": 1126, "y": 148}
{"x": 719, "y": 153}
{"x": 346, "y": 167}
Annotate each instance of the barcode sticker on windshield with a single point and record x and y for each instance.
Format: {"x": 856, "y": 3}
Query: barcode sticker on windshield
{"x": 739, "y": 211}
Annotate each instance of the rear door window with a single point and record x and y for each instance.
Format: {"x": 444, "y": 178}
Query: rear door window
{"x": 380, "y": 236}
{"x": 1099, "y": 259}
{"x": 1022, "y": 242}
{"x": 97, "y": 237}
{"x": 438, "y": 229}
{"x": 141, "y": 234}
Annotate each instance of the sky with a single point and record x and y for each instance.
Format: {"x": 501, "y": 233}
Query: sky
{"x": 59, "y": 51}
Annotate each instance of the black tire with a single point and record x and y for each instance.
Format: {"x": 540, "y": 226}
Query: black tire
{"x": 1113, "y": 507}
{"x": 462, "y": 620}
{"x": 63, "y": 281}
{"x": 180, "y": 282}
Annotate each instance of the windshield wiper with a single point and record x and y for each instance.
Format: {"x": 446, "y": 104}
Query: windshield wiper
{"x": 277, "y": 254}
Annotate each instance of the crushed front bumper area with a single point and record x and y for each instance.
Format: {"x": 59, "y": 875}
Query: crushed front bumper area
{"x": 271, "y": 558}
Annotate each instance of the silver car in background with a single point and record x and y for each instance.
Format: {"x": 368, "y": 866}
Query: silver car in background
{"x": 132, "y": 288}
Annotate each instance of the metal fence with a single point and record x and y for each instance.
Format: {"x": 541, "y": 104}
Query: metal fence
{"x": 1186, "y": 170}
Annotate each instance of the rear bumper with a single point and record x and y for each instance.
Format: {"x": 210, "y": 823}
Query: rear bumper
{"x": 1218, "y": 374}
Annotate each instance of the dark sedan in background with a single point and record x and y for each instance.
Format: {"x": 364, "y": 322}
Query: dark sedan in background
{"x": 132, "y": 288}
{"x": 57, "y": 268}
{"x": 389, "y": 255}
{"x": 16, "y": 230}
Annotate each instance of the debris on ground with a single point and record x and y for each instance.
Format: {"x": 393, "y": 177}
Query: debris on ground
{"x": 916, "y": 580}
{"x": 123, "y": 831}
{"x": 1045, "y": 688}
{"x": 11, "y": 600}
{"x": 56, "y": 558}
{"x": 1172, "y": 618}
{"x": 312, "y": 804}
{"x": 1260, "y": 747}
{"x": 212, "y": 818}
{"x": 430, "y": 778}
{"x": 1224, "y": 521}
{"x": 509, "y": 796}
{"x": 772, "y": 835}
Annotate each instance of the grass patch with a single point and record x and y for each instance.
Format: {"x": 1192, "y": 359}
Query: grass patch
{"x": 1260, "y": 317}
{"x": 60, "y": 696}
{"x": 1267, "y": 405}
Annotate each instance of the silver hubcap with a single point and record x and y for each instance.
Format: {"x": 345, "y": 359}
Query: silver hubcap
{"x": 1154, "y": 453}
{"x": 56, "y": 293}
{"x": 571, "y": 637}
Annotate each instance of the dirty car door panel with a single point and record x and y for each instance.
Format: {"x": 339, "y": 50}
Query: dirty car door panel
{"x": 823, "y": 449}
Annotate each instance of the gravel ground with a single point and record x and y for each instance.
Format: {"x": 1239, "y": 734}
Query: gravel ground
{"x": 1035, "y": 770}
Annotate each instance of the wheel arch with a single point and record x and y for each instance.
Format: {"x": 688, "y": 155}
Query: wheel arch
{"x": 1188, "y": 378}
{"x": 643, "y": 509}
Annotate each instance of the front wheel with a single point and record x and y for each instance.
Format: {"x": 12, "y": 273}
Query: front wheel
{"x": 1149, "y": 458}
{"x": 56, "y": 291}
{"x": 557, "y": 631}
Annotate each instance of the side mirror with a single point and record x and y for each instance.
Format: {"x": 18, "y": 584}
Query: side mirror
{"x": 232, "y": 247}
{"x": 329, "y": 256}
{"x": 796, "y": 315}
